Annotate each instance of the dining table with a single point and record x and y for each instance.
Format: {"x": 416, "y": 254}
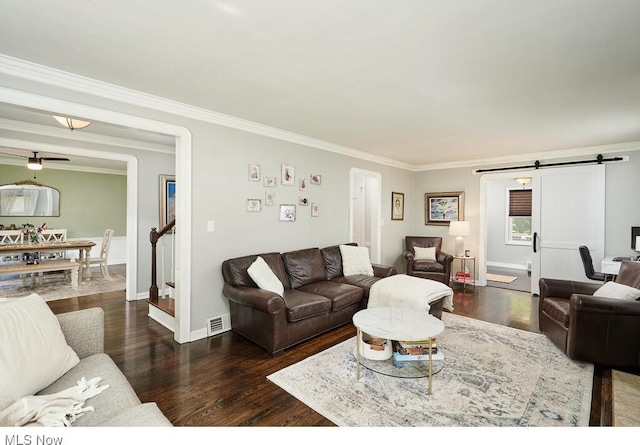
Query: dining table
{"x": 82, "y": 246}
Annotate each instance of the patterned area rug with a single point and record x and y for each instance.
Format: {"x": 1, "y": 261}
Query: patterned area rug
{"x": 493, "y": 376}
{"x": 57, "y": 286}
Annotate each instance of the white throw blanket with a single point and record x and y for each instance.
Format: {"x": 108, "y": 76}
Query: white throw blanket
{"x": 59, "y": 409}
{"x": 409, "y": 292}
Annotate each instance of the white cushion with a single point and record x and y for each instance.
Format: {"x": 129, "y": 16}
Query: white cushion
{"x": 355, "y": 261}
{"x": 425, "y": 253}
{"x": 33, "y": 350}
{"x": 611, "y": 289}
{"x": 261, "y": 273}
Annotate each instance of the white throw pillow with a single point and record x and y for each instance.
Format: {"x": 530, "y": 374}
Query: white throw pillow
{"x": 611, "y": 289}
{"x": 33, "y": 350}
{"x": 425, "y": 253}
{"x": 261, "y": 273}
{"x": 355, "y": 261}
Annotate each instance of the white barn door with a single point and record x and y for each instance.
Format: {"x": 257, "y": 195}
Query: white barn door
{"x": 568, "y": 211}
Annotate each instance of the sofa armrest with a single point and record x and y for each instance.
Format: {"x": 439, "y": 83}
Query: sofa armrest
{"x": 259, "y": 299}
{"x": 382, "y": 271}
{"x": 555, "y": 288}
{"x": 604, "y": 331}
{"x": 84, "y": 330}
{"x": 444, "y": 258}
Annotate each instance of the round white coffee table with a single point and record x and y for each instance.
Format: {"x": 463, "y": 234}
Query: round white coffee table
{"x": 395, "y": 323}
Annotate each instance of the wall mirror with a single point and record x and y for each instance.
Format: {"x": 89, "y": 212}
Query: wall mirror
{"x": 28, "y": 198}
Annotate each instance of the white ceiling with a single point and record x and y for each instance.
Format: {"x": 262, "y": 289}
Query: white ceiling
{"x": 417, "y": 81}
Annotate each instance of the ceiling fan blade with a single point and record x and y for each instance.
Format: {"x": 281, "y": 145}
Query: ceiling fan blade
{"x": 11, "y": 154}
{"x": 54, "y": 159}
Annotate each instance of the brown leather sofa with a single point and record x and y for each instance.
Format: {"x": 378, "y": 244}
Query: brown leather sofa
{"x": 317, "y": 296}
{"x": 599, "y": 330}
{"x": 438, "y": 270}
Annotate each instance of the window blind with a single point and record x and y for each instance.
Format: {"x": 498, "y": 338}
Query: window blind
{"x": 520, "y": 202}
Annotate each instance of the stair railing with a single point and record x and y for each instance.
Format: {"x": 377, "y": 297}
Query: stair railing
{"x": 154, "y": 236}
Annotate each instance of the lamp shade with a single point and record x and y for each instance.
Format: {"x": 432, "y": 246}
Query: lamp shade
{"x": 70, "y": 123}
{"x": 459, "y": 228}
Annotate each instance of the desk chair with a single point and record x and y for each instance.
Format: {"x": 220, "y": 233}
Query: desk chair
{"x": 104, "y": 253}
{"x": 587, "y": 262}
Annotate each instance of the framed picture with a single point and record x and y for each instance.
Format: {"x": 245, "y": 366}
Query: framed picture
{"x": 302, "y": 201}
{"x": 441, "y": 208}
{"x": 288, "y": 174}
{"x": 167, "y": 199}
{"x": 254, "y": 205}
{"x": 254, "y": 172}
{"x": 397, "y": 206}
{"x": 287, "y": 212}
{"x": 269, "y": 198}
{"x": 316, "y": 179}
{"x": 303, "y": 184}
{"x": 270, "y": 181}
{"x": 315, "y": 209}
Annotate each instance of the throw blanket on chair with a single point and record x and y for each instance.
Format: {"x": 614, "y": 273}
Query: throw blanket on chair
{"x": 409, "y": 292}
{"x": 59, "y": 409}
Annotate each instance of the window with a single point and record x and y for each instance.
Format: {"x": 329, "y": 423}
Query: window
{"x": 519, "y": 217}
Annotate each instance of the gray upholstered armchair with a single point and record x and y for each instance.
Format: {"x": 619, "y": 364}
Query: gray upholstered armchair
{"x": 436, "y": 268}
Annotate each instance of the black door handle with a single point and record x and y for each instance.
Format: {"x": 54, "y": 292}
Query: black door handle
{"x": 535, "y": 242}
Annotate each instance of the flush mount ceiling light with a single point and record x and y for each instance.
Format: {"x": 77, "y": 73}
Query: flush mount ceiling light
{"x": 71, "y": 123}
{"x": 523, "y": 181}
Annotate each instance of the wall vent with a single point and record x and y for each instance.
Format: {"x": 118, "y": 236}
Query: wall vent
{"x": 217, "y": 324}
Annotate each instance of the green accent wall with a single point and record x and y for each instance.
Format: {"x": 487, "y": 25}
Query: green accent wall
{"x": 89, "y": 202}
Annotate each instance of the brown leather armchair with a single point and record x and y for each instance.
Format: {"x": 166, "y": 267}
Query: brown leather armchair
{"x": 599, "y": 330}
{"x": 438, "y": 270}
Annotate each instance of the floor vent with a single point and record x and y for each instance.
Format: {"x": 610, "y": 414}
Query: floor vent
{"x": 217, "y": 325}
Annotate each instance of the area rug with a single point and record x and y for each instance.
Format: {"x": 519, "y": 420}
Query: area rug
{"x": 493, "y": 376}
{"x": 58, "y": 286}
{"x": 500, "y": 278}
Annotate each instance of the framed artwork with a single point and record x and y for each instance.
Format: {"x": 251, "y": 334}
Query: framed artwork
{"x": 303, "y": 184}
{"x": 397, "y": 206}
{"x": 288, "y": 174}
{"x": 302, "y": 201}
{"x": 254, "y": 172}
{"x": 269, "y": 198}
{"x": 270, "y": 181}
{"x": 316, "y": 179}
{"x": 287, "y": 212}
{"x": 167, "y": 199}
{"x": 315, "y": 209}
{"x": 441, "y": 208}
{"x": 254, "y": 205}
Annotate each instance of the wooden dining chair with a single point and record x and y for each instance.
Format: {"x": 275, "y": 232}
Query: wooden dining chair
{"x": 104, "y": 254}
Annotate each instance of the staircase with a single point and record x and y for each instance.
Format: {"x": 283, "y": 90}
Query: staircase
{"x": 162, "y": 298}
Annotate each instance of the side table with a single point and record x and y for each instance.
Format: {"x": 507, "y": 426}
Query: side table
{"x": 463, "y": 268}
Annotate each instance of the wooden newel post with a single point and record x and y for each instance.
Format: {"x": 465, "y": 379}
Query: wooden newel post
{"x": 153, "y": 290}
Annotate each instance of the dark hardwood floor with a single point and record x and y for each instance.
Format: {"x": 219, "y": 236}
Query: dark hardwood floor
{"x": 221, "y": 380}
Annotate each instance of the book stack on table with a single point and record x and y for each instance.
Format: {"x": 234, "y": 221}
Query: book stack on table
{"x": 404, "y": 351}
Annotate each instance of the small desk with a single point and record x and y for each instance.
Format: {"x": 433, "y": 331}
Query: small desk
{"x": 84, "y": 247}
{"x": 610, "y": 267}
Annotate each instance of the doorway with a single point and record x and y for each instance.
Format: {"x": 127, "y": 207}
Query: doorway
{"x": 365, "y": 210}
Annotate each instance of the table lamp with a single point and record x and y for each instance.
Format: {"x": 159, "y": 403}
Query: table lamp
{"x": 459, "y": 229}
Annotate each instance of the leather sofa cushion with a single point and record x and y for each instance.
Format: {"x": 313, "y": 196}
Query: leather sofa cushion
{"x": 557, "y": 309}
{"x": 235, "y": 270}
{"x": 362, "y": 281}
{"x": 333, "y": 261}
{"x": 304, "y": 266}
{"x": 427, "y": 266}
{"x": 341, "y": 295}
{"x": 301, "y": 305}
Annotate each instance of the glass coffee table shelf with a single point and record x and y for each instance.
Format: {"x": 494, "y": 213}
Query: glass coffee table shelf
{"x": 418, "y": 369}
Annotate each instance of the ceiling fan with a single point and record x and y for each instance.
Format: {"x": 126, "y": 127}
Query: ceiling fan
{"x": 35, "y": 162}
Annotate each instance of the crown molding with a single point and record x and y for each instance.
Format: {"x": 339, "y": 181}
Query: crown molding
{"x": 61, "y": 133}
{"x": 50, "y": 76}
{"x": 38, "y": 73}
